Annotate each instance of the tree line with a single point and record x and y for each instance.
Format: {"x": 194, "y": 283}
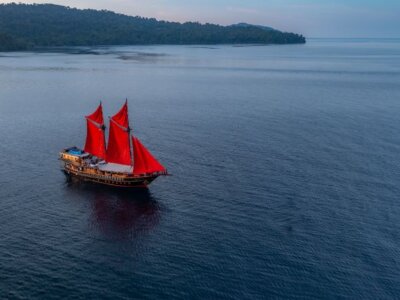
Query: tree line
{"x": 25, "y": 26}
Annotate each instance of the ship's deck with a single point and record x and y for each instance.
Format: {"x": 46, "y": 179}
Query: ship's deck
{"x": 111, "y": 167}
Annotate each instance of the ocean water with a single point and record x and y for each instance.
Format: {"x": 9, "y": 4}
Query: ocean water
{"x": 285, "y": 163}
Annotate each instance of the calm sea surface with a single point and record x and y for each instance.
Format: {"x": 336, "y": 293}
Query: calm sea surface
{"x": 285, "y": 163}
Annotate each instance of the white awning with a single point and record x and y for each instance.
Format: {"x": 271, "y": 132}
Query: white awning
{"x": 111, "y": 167}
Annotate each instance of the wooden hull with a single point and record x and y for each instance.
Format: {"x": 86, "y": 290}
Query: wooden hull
{"x": 133, "y": 182}
{"x": 75, "y": 168}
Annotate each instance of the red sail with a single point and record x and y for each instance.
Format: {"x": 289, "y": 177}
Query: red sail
{"x": 97, "y": 116}
{"x": 118, "y": 150}
{"x": 144, "y": 162}
{"x": 95, "y": 134}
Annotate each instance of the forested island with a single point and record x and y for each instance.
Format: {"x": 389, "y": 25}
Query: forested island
{"x": 26, "y": 26}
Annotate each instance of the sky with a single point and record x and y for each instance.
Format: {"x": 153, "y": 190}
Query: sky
{"x": 312, "y": 18}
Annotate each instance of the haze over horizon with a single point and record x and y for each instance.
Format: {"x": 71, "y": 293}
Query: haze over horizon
{"x": 312, "y": 18}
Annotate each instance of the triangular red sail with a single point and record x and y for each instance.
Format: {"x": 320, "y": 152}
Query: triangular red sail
{"x": 121, "y": 117}
{"x": 118, "y": 150}
{"x": 144, "y": 162}
{"x": 97, "y": 116}
{"x": 95, "y": 134}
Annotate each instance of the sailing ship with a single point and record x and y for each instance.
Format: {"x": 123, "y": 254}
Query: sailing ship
{"x": 124, "y": 162}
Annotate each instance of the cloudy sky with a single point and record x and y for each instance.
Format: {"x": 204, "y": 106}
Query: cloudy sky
{"x": 313, "y": 18}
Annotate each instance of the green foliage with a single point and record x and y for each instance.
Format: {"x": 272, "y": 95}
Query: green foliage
{"x": 44, "y": 25}
{"x": 9, "y": 43}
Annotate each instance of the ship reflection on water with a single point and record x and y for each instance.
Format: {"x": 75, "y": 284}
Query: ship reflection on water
{"x": 120, "y": 214}
{"x": 125, "y": 214}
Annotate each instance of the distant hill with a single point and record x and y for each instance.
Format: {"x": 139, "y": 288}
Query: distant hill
{"x": 25, "y": 26}
{"x": 246, "y": 25}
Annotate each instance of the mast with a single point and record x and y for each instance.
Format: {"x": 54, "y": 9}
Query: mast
{"x": 131, "y": 146}
{"x": 129, "y": 134}
{"x": 103, "y": 128}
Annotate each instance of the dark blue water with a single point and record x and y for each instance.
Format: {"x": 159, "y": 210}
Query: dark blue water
{"x": 286, "y": 164}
